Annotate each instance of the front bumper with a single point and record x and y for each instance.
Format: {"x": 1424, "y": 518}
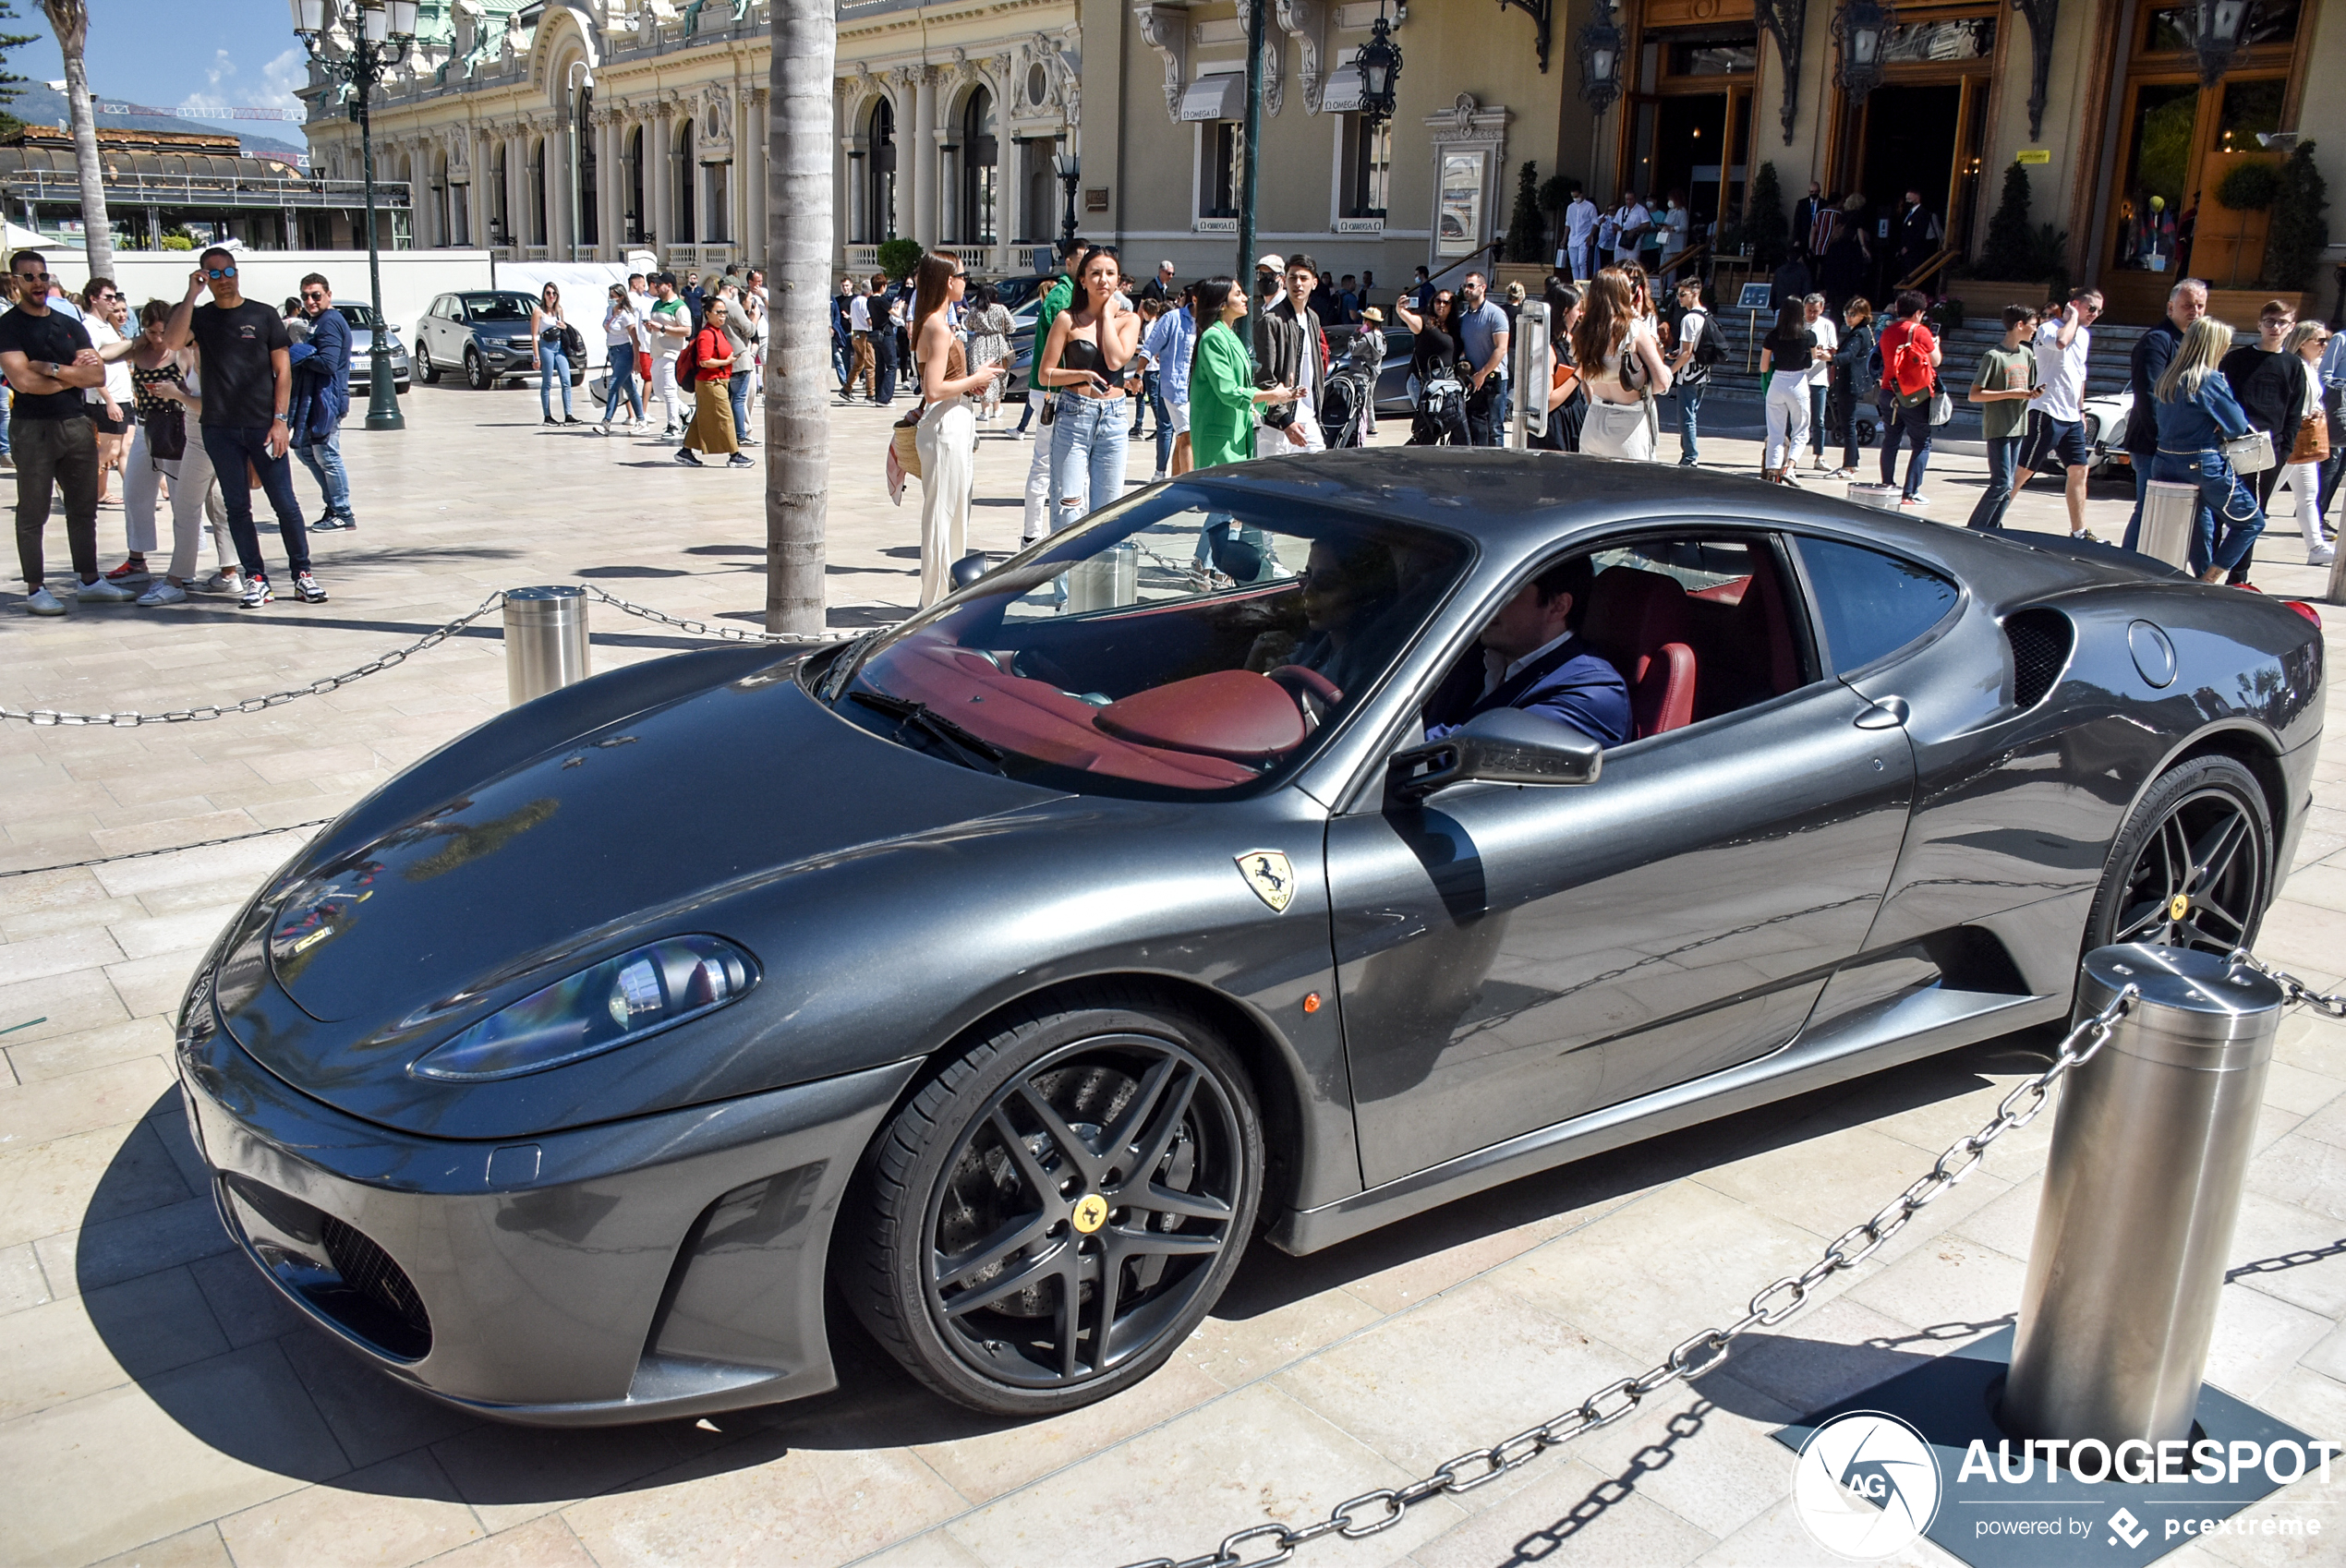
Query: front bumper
{"x": 665, "y": 1265}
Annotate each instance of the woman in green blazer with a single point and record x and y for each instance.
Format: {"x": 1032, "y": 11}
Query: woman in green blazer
{"x": 1222, "y": 391}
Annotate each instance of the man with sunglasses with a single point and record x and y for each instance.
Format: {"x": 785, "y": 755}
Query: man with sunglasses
{"x": 48, "y": 360}
{"x": 321, "y": 445}
{"x": 248, "y": 386}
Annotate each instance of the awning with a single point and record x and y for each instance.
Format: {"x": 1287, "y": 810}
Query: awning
{"x": 1340, "y": 94}
{"x": 1219, "y": 97}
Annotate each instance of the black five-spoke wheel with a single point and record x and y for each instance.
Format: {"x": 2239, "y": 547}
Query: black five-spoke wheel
{"x": 1057, "y": 1210}
{"x": 2194, "y": 867}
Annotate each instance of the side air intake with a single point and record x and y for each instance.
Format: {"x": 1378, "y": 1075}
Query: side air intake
{"x": 2040, "y": 640}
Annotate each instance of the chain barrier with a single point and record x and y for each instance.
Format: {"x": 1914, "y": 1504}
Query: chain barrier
{"x": 45, "y": 718}
{"x": 2331, "y": 1004}
{"x": 1264, "y": 1545}
{"x": 167, "y": 849}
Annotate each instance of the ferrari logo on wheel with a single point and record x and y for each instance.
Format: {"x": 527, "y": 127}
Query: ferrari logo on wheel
{"x": 1273, "y": 879}
{"x": 2178, "y": 907}
{"x": 1091, "y": 1213}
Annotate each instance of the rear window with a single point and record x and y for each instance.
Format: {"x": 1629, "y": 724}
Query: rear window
{"x": 1871, "y": 603}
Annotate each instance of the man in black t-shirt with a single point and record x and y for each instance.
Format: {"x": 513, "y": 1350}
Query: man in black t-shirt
{"x": 248, "y": 385}
{"x": 48, "y": 360}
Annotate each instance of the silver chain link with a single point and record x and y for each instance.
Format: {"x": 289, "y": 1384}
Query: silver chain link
{"x": 1381, "y": 1510}
{"x": 2331, "y": 1003}
{"x": 46, "y": 716}
{"x": 702, "y": 628}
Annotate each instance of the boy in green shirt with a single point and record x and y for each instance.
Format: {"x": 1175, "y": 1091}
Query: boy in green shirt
{"x": 2005, "y": 385}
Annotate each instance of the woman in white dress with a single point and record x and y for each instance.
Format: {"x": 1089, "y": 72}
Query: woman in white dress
{"x": 1622, "y": 368}
{"x": 947, "y": 438}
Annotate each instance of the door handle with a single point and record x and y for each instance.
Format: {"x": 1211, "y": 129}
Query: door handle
{"x": 1886, "y": 713}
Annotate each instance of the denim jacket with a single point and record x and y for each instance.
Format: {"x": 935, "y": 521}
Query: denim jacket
{"x": 2201, "y": 420}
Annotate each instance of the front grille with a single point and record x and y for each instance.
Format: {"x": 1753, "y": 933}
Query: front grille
{"x": 403, "y": 1327}
{"x": 2040, "y": 640}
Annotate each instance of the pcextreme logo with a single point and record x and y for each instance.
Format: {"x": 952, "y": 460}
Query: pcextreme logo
{"x": 1866, "y": 1485}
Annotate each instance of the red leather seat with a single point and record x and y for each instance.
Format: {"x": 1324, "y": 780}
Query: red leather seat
{"x": 1639, "y": 621}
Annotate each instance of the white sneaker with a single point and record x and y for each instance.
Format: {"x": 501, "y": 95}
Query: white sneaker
{"x": 40, "y": 601}
{"x": 220, "y": 583}
{"x": 1917, "y": 502}
{"x": 2320, "y": 557}
{"x": 102, "y": 592}
{"x": 1157, "y": 478}
{"x": 165, "y": 591}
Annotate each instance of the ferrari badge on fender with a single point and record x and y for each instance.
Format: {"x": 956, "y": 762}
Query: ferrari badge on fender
{"x": 1273, "y": 879}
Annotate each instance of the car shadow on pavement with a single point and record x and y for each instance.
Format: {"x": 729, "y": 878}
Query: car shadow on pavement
{"x": 190, "y": 1319}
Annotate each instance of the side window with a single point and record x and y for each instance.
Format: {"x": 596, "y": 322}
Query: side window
{"x": 1871, "y": 604}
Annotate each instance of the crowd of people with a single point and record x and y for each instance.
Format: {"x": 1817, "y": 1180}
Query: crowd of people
{"x": 696, "y": 350}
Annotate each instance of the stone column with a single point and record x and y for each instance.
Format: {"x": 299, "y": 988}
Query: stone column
{"x": 919, "y": 141}
{"x": 753, "y": 162}
{"x": 610, "y": 242}
{"x": 517, "y": 190}
{"x": 658, "y": 220}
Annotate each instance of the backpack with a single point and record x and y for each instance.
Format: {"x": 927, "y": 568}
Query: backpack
{"x": 688, "y": 364}
{"x": 1707, "y": 352}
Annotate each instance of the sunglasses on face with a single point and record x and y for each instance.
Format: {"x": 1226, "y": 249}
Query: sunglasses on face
{"x": 33, "y": 277}
{"x": 219, "y": 272}
{"x": 313, "y": 294}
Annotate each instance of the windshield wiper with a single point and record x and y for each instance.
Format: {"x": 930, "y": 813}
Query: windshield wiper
{"x": 843, "y": 668}
{"x": 935, "y": 725}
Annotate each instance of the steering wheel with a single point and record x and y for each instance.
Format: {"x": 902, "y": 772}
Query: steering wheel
{"x": 1313, "y": 692}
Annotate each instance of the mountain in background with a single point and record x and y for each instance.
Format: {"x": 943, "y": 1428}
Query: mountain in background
{"x": 40, "y": 106}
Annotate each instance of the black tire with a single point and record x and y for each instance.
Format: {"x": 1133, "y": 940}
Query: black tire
{"x": 1005, "y": 1158}
{"x": 2194, "y": 866}
{"x": 477, "y": 374}
{"x": 424, "y": 368}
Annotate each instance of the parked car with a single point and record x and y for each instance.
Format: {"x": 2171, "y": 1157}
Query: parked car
{"x": 993, "y": 973}
{"x": 362, "y": 347}
{"x": 484, "y": 334}
{"x": 2105, "y": 422}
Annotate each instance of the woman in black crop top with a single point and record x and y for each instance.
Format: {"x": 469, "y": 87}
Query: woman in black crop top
{"x": 1090, "y": 343}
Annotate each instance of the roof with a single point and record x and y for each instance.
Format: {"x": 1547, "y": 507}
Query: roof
{"x": 111, "y": 139}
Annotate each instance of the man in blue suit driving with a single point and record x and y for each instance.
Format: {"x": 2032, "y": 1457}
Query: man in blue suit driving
{"x": 1532, "y": 660}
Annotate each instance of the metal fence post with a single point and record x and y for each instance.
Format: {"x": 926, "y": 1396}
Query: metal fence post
{"x": 545, "y": 641}
{"x": 2142, "y": 1187}
{"x": 1884, "y": 497}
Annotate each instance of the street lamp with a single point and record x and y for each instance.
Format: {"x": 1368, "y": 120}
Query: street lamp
{"x": 1379, "y": 66}
{"x": 1070, "y": 169}
{"x": 1601, "y": 44}
{"x": 2215, "y": 35}
{"x": 1862, "y": 27}
{"x": 379, "y": 31}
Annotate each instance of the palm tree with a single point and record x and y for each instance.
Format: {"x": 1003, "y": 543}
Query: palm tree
{"x": 69, "y": 20}
{"x": 798, "y": 235}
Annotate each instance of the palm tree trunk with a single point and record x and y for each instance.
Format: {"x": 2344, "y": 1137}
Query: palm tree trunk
{"x": 70, "y": 22}
{"x": 798, "y": 242}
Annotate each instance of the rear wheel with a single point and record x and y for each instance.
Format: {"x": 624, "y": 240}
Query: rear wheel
{"x": 1047, "y": 1222}
{"x": 2194, "y": 867}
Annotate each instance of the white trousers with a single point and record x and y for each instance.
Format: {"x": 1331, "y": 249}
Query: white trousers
{"x": 2305, "y": 478}
{"x": 1037, "y": 520}
{"x": 664, "y": 388}
{"x": 190, "y": 483}
{"x": 1617, "y": 430}
{"x": 1269, "y": 442}
{"x": 1787, "y": 419}
{"x": 947, "y": 440}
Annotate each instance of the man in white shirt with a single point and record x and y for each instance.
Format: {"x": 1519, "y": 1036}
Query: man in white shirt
{"x": 1676, "y": 225}
{"x": 865, "y": 368}
{"x": 1634, "y": 220}
{"x": 1608, "y": 236}
{"x": 2062, "y": 344}
{"x": 1689, "y": 377}
{"x": 1819, "y": 375}
{"x": 1579, "y": 229}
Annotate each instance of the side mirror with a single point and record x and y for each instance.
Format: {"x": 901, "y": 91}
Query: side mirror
{"x": 1504, "y": 747}
{"x": 968, "y": 569}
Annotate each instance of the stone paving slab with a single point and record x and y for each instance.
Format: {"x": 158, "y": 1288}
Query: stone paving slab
{"x": 158, "y": 1403}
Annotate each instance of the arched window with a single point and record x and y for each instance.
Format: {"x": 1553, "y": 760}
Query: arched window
{"x": 685, "y": 194}
{"x": 882, "y": 209}
{"x": 981, "y": 162}
{"x": 636, "y": 232}
{"x": 591, "y": 215}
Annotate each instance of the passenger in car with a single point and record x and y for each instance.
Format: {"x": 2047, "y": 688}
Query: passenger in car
{"x": 1533, "y": 660}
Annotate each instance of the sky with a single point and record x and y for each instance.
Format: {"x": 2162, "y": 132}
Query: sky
{"x": 176, "y": 54}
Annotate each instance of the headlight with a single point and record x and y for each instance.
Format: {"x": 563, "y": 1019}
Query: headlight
{"x": 616, "y": 1002}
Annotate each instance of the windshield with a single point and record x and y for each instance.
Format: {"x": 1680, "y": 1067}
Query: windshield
{"x": 497, "y": 306}
{"x": 358, "y": 316}
{"x": 1185, "y": 642}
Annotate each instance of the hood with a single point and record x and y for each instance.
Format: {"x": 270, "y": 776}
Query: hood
{"x": 504, "y": 878}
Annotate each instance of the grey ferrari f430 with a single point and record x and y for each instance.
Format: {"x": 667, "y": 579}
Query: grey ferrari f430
{"x": 1003, "y": 974}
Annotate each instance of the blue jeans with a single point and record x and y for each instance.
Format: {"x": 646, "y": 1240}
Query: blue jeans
{"x": 7, "y": 398}
{"x": 2228, "y": 519}
{"x": 230, "y": 447}
{"x": 1088, "y": 436}
{"x": 621, "y": 373}
{"x": 322, "y": 457}
{"x": 2141, "y": 465}
{"x": 842, "y": 360}
{"x": 1915, "y": 425}
{"x": 2004, "y": 456}
{"x": 553, "y": 366}
{"x": 1817, "y": 421}
{"x": 1689, "y": 396}
{"x": 739, "y": 391}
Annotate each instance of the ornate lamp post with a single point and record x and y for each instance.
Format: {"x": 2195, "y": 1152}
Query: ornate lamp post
{"x": 379, "y": 31}
{"x": 1862, "y": 29}
{"x": 1601, "y": 43}
{"x": 1070, "y": 169}
{"x": 2215, "y": 35}
{"x": 1379, "y": 62}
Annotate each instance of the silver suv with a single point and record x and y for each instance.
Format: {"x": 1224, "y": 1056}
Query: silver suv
{"x": 482, "y": 334}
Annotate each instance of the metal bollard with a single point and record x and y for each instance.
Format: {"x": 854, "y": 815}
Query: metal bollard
{"x": 1885, "y": 496}
{"x": 2337, "y": 594}
{"x": 545, "y": 641}
{"x": 2169, "y": 510}
{"x": 1107, "y": 581}
{"x": 2142, "y": 1189}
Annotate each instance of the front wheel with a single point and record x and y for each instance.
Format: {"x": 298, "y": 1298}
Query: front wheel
{"x": 477, "y": 374}
{"x": 424, "y": 368}
{"x": 1046, "y": 1223}
{"x": 2194, "y": 866}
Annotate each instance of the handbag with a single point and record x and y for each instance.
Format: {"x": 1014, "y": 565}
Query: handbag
{"x": 2313, "y": 441}
{"x": 1943, "y": 408}
{"x": 2251, "y": 453}
{"x": 166, "y": 433}
{"x": 905, "y": 441}
{"x": 574, "y": 342}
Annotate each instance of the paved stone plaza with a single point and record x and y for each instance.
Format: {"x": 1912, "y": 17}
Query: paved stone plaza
{"x": 159, "y": 1405}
